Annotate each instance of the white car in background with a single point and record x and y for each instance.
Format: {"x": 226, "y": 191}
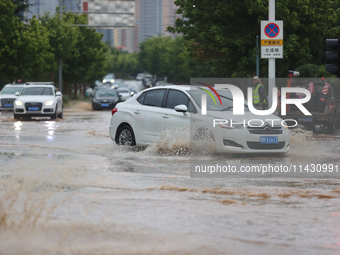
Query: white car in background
{"x": 39, "y": 99}
{"x": 7, "y": 96}
{"x": 125, "y": 93}
{"x": 140, "y": 76}
{"x": 109, "y": 78}
{"x": 141, "y": 120}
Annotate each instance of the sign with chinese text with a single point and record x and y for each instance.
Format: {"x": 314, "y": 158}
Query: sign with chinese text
{"x": 272, "y": 39}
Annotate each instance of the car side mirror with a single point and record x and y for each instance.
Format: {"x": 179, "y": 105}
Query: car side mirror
{"x": 58, "y": 94}
{"x": 181, "y": 108}
{"x": 17, "y": 93}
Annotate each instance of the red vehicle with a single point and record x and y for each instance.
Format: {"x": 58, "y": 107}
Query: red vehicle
{"x": 324, "y": 105}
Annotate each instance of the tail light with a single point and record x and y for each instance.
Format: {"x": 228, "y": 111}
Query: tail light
{"x": 114, "y": 110}
{"x": 331, "y": 107}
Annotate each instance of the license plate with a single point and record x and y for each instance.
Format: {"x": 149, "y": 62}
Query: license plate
{"x": 33, "y": 108}
{"x": 305, "y": 119}
{"x": 105, "y": 105}
{"x": 269, "y": 139}
{"x": 8, "y": 105}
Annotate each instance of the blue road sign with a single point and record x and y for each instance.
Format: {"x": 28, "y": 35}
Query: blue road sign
{"x": 272, "y": 30}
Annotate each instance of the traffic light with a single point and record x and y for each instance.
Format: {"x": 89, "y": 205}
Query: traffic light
{"x": 333, "y": 56}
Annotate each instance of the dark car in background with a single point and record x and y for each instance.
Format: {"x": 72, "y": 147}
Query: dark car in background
{"x": 105, "y": 99}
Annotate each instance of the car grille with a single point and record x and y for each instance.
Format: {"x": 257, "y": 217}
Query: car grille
{"x": 264, "y": 146}
{"x": 265, "y": 130}
{"x": 39, "y": 105}
{"x": 7, "y": 101}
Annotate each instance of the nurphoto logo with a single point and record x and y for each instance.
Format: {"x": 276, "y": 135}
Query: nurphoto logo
{"x": 238, "y": 104}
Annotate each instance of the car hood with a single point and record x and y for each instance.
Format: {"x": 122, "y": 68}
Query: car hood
{"x": 106, "y": 98}
{"x": 124, "y": 94}
{"x": 36, "y": 98}
{"x": 7, "y": 96}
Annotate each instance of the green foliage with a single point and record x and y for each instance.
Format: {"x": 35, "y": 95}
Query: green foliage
{"x": 32, "y": 51}
{"x": 313, "y": 71}
{"x": 122, "y": 63}
{"x": 12, "y": 41}
{"x": 164, "y": 56}
{"x": 226, "y": 31}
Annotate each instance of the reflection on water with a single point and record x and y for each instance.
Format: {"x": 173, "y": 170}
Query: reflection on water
{"x": 51, "y": 127}
{"x": 17, "y": 129}
{"x": 82, "y": 194}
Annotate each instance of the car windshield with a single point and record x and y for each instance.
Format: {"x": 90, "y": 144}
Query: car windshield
{"x": 111, "y": 93}
{"x": 226, "y": 98}
{"x": 37, "y": 91}
{"x": 109, "y": 76}
{"x": 11, "y": 90}
{"x": 123, "y": 90}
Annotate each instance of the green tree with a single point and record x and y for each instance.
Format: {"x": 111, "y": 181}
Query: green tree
{"x": 122, "y": 63}
{"x": 38, "y": 57}
{"x": 13, "y": 43}
{"x": 62, "y": 37}
{"x": 226, "y": 31}
{"x": 22, "y": 6}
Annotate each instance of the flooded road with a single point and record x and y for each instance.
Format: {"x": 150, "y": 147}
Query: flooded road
{"x": 66, "y": 188}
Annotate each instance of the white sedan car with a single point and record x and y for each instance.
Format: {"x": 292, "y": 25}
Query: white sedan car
{"x": 125, "y": 93}
{"x": 143, "y": 118}
{"x": 39, "y": 100}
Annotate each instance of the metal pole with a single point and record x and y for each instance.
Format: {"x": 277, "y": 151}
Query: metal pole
{"x": 60, "y": 60}
{"x": 257, "y": 57}
{"x": 271, "y": 61}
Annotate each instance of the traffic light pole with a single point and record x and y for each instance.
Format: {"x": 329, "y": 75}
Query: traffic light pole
{"x": 271, "y": 61}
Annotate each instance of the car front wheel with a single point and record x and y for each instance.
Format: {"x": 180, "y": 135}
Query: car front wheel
{"x": 125, "y": 136}
{"x": 54, "y": 115}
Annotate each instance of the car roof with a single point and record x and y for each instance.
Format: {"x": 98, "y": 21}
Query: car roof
{"x": 37, "y": 86}
{"x": 40, "y": 83}
{"x": 178, "y": 87}
{"x": 15, "y": 85}
{"x": 104, "y": 90}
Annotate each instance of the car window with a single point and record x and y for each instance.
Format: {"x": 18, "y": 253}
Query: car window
{"x": 175, "y": 98}
{"x": 111, "y": 93}
{"x": 109, "y": 76}
{"x": 213, "y": 105}
{"x": 11, "y": 90}
{"x": 37, "y": 91}
{"x": 154, "y": 97}
{"x": 141, "y": 98}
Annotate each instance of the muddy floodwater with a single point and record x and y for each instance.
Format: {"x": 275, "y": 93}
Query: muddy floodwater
{"x": 66, "y": 188}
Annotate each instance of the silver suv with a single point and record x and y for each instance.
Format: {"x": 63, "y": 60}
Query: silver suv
{"x": 39, "y": 99}
{"x": 7, "y": 96}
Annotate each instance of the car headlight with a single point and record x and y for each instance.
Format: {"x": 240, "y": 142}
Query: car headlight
{"x": 94, "y": 100}
{"x": 18, "y": 102}
{"x": 112, "y": 80}
{"x": 49, "y": 102}
{"x": 104, "y": 81}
